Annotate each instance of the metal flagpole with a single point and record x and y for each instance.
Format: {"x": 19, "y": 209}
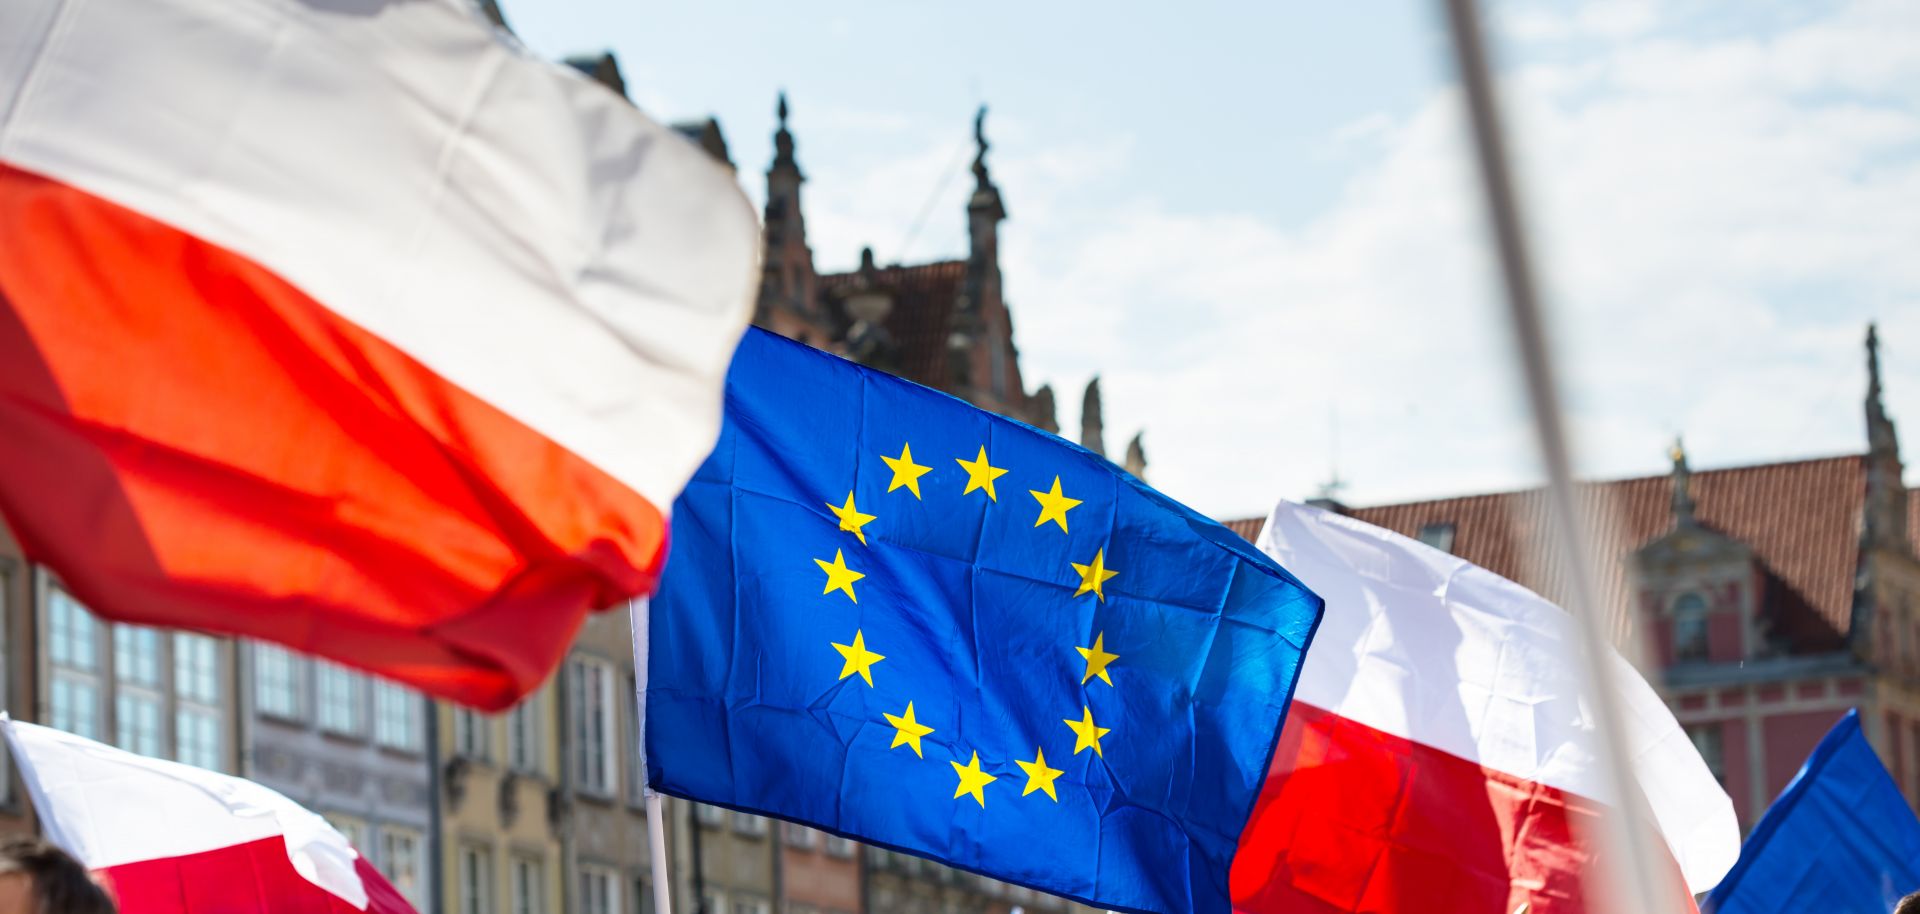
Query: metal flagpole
{"x": 657, "y": 840}
{"x": 1637, "y": 879}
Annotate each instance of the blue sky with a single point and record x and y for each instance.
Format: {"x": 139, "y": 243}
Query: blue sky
{"x": 1256, "y": 222}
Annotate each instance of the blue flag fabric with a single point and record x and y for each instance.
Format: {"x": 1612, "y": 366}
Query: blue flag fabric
{"x": 900, "y": 618}
{"x": 1839, "y": 840}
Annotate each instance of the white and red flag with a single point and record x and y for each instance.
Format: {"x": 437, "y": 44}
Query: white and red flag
{"x": 1438, "y": 756}
{"x": 167, "y": 838}
{"x": 350, "y": 326}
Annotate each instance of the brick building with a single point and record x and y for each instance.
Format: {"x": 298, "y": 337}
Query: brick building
{"x": 1769, "y": 599}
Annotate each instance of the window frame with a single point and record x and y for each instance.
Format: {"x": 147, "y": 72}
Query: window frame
{"x": 475, "y": 872}
{"x": 410, "y": 887}
{"x": 519, "y": 867}
{"x": 748, "y": 824}
{"x": 354, "y": 726}
{"x": 801, "y": 836}
{"x": 403, "y": 734}
{"x": 267, "y": 655}
{"x": 599, "y": 748}
{"x": 472, "y": 735}
{"x": 525, "y": 749}
{"x": 609, "y": 881}
{"x": 69, "y": 673}
{"x": 207, "y": 709}
{"x": 1690, "y": 611}
{"x": 1438, "y": 535}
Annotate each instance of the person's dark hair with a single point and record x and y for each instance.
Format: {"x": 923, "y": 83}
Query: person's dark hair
{"x": 1908, "y": 905}
{"x": 61, "y": 885}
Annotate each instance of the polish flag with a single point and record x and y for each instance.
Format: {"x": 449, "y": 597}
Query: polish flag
{"x": 1438, "y": 756}
{"x": 167, "y": 838}
{"x": 350, "y": 326}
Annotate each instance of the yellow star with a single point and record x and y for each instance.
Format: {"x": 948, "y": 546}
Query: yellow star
{"x": 971, "y": 780}
{"x": 1085, "y": 733}
{"x": 981, "y": 474}
{"x": 905, "y": 471}
{"x": 1097, "y": 659}
{"x": 907, "y": 731}
{"x": 1094, "y": 575}
{"x": 851, "y": 520}
{"x": 859, "y": 659}
{"x": 839, "y": 576}
{"x": 1039, "y": 776}
{"x": 1054, "y": 506}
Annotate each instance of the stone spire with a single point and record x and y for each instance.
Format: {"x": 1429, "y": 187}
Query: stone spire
{"x": 1886, "y": 508}
{"x": 982, "y": 283}
{"x": 1091, "y": 427}
{"x": 1041, "y": 411}
{"x": 1136, "y": 456}
{"x": 1682, "y": 485}
{"x": 787, "y": 277}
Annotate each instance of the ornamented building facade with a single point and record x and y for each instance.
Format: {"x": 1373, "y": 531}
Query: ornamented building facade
{"x": 1770, "y": 599}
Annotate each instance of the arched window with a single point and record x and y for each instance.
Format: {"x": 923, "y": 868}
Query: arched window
{"x": 1690, "y": 627}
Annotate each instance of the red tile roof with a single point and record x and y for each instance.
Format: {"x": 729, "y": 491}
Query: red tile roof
{"x": 1802, "y": 519}
{"x": 922, "y": 315}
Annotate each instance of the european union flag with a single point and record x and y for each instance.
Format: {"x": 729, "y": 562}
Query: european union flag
{"x": 1840, "y": 838}
{"x": 894, "y": 616}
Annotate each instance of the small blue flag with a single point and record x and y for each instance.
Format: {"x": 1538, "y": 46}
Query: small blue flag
{"x": 900, "y": 618}
{"x": 1839, "y": 840}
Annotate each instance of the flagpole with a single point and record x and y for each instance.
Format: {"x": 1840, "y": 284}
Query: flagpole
{"x": 1643, "y": 883}
{"x": 657, "y": 841}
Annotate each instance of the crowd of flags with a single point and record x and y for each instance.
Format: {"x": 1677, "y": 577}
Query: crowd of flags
{"x": 374, "y": 336}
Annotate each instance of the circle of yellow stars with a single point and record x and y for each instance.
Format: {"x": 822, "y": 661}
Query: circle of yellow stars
{"x": 856, "y": 658}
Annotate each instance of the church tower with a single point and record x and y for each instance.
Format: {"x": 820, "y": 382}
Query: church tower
{"x": 787, "y": 303}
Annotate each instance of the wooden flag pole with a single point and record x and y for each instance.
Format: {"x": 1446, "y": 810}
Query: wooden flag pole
{"x": 1635, "y": 877}
{"x": 657, "y": 841}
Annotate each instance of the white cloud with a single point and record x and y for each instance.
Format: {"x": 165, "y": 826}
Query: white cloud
{"x": 1718, "y": 218}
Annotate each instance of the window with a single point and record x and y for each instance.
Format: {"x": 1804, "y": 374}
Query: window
{"x": 73, "y": 652}
{"x": 591, "y": 689}
{"x": 709, "y": 815}
{"x": 1706, "y": 740}
{"x": 1690, "y": 627}
{"x": 396, "y": 716}
{"x": 138, "y": 699}
{"x": 798, "y": 835}
{"x": 751, "y": 906}
{"x": 749, "y": 824}
{"x": 642, "y": 895}
{"x": 523, "y": 735}
{"x": 476, "y": 880}
{"x": 196, "y": 687}
{"x": 839, "y": 847}
{"x": 400, "y": 863}
{"x": 1439, "y": 536}
{"x": 599, "y": 890}
{"x": 715, "y": 902}
{"x": 341, "y": 694}
{"x": 528, "y": 885}
{"x": 471, "y": 735}
{"x": 276, "y": 681}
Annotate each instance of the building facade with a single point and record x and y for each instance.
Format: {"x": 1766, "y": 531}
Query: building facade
{"x": 501, "y": 810}
{"x": 1768, "y": 599}
{"x": 603, "y": 809}
{"x": 19, "y": 682}
{"x": 350, "y": 747}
